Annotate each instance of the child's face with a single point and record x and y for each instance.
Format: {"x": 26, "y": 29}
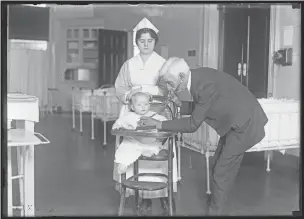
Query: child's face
{"x": 141, "y": 105}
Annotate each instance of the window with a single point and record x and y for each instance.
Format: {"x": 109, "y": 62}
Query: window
{"x": 29, "y": 44}
{"x": 29, "y": 23}
{"x": 135, "y": 48}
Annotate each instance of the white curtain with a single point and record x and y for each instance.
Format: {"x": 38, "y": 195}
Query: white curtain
{"x": 28, "y": 72}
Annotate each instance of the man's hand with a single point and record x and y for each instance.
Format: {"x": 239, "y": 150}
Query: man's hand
{"x": 148, "y": 121}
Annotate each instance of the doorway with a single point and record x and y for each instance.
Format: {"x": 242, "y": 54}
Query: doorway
{"x": 245, "y": 44}
{"x": 113, "y": 52}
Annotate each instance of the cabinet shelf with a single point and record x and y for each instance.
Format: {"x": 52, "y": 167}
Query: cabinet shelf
{"x": 90, "y": 49}
{"x": 82, "y": 46}
{"x": 72, "y": 50}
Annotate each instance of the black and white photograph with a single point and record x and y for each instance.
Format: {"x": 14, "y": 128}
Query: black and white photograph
{"x": 151, "y": 109}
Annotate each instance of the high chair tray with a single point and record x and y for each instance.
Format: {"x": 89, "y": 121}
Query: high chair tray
{"x": 21, "y": 137}
{"x": 141, "y": 133}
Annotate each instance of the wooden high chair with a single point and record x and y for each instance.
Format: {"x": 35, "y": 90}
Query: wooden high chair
{"x": 133, "y": 182}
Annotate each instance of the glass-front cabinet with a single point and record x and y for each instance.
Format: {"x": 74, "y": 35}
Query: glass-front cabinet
{"x": 82, "y": 47}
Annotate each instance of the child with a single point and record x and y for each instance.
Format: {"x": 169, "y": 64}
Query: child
{"x": 132, "y": 148}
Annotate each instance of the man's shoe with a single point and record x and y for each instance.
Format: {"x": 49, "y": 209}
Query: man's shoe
{"x": 213, "y": 212}
{"x": 207, "y": 204}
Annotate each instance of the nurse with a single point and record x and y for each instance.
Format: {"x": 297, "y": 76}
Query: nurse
{"x": 142, "y": 71}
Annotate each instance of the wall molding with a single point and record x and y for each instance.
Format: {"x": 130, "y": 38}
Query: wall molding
{"x": 274, "y": 45}
{"x": 201, "y": 33}
{"x": 210, "y": 36}
{"x": 82, "y": 22}
{"x": 51, "y": 50}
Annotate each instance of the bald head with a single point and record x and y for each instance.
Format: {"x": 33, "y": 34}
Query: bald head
{"x": 175, "y": 72}
{"x": 174, "y": 66}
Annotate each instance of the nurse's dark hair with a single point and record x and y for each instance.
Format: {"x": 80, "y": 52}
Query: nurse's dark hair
{"x": 152, "y": 33}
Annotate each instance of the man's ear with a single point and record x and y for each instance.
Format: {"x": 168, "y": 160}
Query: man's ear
{"x": 132, "y": 107}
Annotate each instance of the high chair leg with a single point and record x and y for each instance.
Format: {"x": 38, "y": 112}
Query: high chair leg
{"x": 179, "y": 157}
{"x": 122, "y": 196}
{"x": 170, "y": 177}
{"x": 135, "y": 172}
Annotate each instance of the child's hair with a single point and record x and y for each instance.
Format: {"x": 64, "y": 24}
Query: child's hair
{"x": 138, "y": 94}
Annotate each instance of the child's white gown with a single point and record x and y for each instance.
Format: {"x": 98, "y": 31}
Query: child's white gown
{"x": 131, "y": 148}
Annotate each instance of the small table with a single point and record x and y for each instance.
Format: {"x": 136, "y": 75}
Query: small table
{"x": 23, "y": 140}
{"x": 24, "y": 109}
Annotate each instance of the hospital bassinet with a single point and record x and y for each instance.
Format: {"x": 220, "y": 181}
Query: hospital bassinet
{"x": 281, "y": 132}
{"x": 106, "y": 108}
{"x": 102, "y": 103}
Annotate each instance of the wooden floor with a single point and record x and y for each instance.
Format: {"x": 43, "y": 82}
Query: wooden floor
{"x": 73, "y": 177}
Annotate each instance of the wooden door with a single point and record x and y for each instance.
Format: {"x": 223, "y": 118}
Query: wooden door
{"x": 258, "y": 50}
{"x": 246, "y": 45}
{"x": 112, "y": 54}
{"x": 234, "y": 40}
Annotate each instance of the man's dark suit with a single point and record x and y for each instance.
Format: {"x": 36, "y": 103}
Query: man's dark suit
{"x": 236, "y": 115}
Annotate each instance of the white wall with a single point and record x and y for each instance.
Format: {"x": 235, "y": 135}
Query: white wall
{"x": 178, "y": 29}
{"x": 288, "y": 78}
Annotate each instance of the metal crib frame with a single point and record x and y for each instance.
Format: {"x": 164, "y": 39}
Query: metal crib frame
{"x": 104, "y": 117}
{"x": 79, "y": 107}
{"x": 93, "y": 106}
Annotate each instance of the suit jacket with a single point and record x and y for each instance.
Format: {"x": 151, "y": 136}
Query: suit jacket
{"x": 221, "y": 101}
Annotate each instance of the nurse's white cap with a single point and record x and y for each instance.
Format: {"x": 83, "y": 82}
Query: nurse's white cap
{"x": 145, "y": 23}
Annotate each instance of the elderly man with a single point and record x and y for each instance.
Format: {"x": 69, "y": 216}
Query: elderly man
{"x": 225, "y": 105}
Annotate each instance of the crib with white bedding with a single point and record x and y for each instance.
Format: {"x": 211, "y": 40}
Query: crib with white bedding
{"x": 102, "y": 103}
{"x": 282, "y": 132}
{"x": 82, "y": 102}
{"x": 106, "y": 107}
